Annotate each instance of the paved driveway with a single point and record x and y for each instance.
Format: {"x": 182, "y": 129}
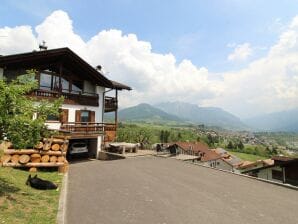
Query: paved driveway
{"x": 158, "y": 190}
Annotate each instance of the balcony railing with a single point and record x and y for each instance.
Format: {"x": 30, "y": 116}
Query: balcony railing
{"x": 86, "y": 128}
{"x": 69, "y": 98}
{"x": 111, "y": 104}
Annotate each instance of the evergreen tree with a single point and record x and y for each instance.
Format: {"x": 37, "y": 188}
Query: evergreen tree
{"x": 230, "y": 145}
{"x": 240, "y": 145}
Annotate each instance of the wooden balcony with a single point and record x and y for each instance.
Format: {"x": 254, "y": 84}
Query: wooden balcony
{"x": 87, "y": 99}
{"x": 111, "y": 104}
{"x": 86, "y": 129}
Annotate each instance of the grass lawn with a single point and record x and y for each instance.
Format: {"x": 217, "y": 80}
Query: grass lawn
{"x": 20, "y": 203}
{"x": 248, "y": 157}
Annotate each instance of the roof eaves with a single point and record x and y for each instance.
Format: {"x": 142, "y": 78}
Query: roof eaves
{"x": 120, "y": 86}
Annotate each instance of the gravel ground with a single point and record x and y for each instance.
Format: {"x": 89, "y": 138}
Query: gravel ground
{"x": 158, "y": 190}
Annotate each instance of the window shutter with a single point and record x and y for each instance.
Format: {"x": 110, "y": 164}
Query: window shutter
{"x": 78, "y": 116}
{"x": 64, "y": 116}
{"x": 92, "y": 116}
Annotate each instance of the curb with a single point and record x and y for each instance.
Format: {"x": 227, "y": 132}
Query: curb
{"x": 61, "y": 217}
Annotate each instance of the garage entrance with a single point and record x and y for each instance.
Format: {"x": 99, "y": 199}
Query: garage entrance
{"x": 82, "y": 148}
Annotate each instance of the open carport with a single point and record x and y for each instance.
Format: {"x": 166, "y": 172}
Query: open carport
{"x": 158, "y": 190}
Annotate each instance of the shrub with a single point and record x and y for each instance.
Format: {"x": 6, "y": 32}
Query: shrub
{"x": 17, "y": 111}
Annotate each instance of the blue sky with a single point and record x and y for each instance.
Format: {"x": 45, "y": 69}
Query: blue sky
{"x": 195, "y": 29}
{"x": 240, "y": 55}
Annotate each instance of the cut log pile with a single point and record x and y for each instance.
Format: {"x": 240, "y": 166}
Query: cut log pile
{"x": 50, "y": 152}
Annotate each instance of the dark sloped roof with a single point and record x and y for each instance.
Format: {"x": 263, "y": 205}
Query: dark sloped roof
{"x": 70, "y": 60}
{"x": 283, "y": 160}
{"x": 120, "y": 86}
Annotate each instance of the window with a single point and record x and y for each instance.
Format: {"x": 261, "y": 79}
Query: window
{"x": 45, "y": 81}
{"x": 52, "y": 118}
{"x": 77, "y": 87}
{"x": 65, "y": 85}
{"x": 49, "y": 82}
{"x": 276, "y": 174}
{"x": 85, "y": 116}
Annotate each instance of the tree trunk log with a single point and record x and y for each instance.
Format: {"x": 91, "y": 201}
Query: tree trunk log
{"x": 45, "y": 158}
{"x": 23, "y": 159}
{"x": 32, "y": 151}
{"x": 5, "y": 145}
{"x": 15, "y": 158}
{"x": 53, "y": 153}
{"x": 53, "y": 159}
{"x": 35, "y": 158}
{"x": 64, "y": 147}
{"x": 55, "y": 147}
{"x": 33, "y": 170}
{"x": 34, "y": 164}
{"x": 5, "y": 158}
{"x": 60, "y": 159}
{"x": 56, "y": 140}
{"x": 46, "y": 146}
{"x": 20, "y": 151}
{"x": 39, "y": 145}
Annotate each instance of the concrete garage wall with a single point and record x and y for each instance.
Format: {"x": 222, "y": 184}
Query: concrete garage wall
{"x": 267, "y": 174}
{"x": 92, "y": 147}
{"x": 223, "y": 165}
{"x": 218, "y": 164}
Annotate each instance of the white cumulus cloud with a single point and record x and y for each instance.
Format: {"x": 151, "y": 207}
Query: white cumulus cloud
{"x": 241, "y": 52}
{"x": 267, "y": 84}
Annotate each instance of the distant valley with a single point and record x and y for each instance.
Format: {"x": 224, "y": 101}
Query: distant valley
{"x": 186, "y": 113}
{"x": 210, "y": 116}
{"x": 181, "y": 113}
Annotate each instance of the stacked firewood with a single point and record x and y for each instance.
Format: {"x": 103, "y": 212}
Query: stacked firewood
{"x": 47, "y": 153}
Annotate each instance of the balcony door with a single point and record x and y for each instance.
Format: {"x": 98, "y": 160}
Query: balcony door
{"x": 84, "y": 117}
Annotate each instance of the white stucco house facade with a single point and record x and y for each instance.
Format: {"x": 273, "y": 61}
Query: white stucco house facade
{"x": 61, "y": 72}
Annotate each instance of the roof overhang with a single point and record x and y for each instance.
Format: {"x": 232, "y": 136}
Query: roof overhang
{"x": 120, "y": 86}
{"x": 65, "y": 56}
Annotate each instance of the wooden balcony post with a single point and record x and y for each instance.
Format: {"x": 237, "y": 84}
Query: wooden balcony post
{"x": 116, "y": 111}
{"x": 60, "y": 75}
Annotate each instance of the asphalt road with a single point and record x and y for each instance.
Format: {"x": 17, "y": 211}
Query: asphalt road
{"x": 158, "y": 190}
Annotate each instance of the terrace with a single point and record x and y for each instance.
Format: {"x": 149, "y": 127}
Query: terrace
{"x": 88, "y": 99}
{"x": 86, "y": 129}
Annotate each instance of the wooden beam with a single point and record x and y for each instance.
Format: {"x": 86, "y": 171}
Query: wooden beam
{"x": 116, "y": 111}
{"x": 33, "y": 164}
{"x": 32, "y": 151}
{"x": 37, "y": 76}
{"x": 60, "y": 75}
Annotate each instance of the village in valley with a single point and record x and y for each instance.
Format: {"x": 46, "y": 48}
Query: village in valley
{"x": 81, "y": 144}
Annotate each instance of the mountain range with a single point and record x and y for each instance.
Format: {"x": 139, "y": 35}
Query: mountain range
{"x": 186, "y": 113}
{"x": 147, "y": 113}
{"x": 210, "y": 116}
{"x": 279, "y": 121}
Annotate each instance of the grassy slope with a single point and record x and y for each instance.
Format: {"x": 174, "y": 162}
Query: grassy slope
{"x": 20, "y": 203}
{"x": 248, "y": 157}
